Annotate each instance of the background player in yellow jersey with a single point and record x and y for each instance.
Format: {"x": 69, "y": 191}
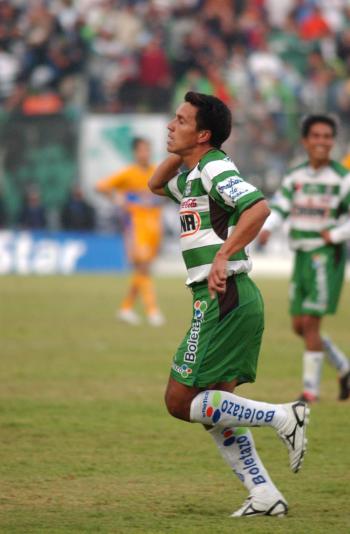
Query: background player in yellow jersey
{"x": 142, "y": 229}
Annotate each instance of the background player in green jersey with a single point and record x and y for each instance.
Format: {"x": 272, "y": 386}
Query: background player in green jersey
{"x": 315, "y": 197}
{"x": 220, "y": 215}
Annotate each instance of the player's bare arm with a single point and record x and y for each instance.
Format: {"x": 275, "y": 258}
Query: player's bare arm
{"x": 108, "y": 192}
{"x": 326, "y": 236}
{"x": 247, "y": 228}
{"x": 264, "y": 236}
{"x": 163, "y": 173}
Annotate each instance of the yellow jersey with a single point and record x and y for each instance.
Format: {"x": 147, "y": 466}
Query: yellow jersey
{"x": 143, "y": 231}
{"x": 133, "y": 183}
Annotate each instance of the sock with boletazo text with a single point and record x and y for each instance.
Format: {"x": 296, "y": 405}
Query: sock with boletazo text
{"x": 214, "y": 407}
{"x": 237, "y": 448}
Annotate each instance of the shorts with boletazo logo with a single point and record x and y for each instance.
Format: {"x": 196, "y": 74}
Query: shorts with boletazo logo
{"x": 224, "y": 338}
{"x": 317, "y": 280}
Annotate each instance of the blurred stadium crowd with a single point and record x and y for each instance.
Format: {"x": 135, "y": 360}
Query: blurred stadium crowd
{"x": 271, "y": 61}
{"x": 138, "y": 55}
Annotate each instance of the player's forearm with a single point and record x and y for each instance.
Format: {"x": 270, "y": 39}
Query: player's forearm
{"x": 102, "y": 190}
{"x": 340, "y": 233}
{"x": 163, "y": 173}
{"x": 247, "y": 228}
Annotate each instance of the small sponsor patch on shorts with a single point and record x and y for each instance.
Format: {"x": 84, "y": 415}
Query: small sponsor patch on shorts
{"x": 184, "y": 370}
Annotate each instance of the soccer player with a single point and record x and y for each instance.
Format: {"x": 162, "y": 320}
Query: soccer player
{"x": 220, "y": 213}
{"x": 314, "y": 197}
{"x": 142, "y": 230}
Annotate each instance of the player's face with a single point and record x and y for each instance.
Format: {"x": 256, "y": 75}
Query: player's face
{"x": 319, "y": 142}
{"x": 183, "y": 135}
{"x": 143, "y": 153}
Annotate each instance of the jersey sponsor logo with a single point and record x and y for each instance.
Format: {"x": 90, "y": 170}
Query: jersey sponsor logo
{"x": 190, "y": 222}
{"x": 193, "y": 337}
{"x": 298, "y": 186}
{"x": 234, "y": 188}
{"x": 189, "y": 203}
{"x": 212, "y": 410}
{"x": 310, "y": 211}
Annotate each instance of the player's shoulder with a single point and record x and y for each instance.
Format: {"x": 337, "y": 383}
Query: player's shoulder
{"x": 296, "y": 168}
{"x": 338, "y": 168}
{"x": 215, "y": 162}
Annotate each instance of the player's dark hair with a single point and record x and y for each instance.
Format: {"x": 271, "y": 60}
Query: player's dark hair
{"x": 213, "y": 115}
{"x": 310, "y": 120}
{"x": 137, "y": 141}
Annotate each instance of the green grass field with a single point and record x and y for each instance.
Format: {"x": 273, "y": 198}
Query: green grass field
{"x": 87, "y": 445}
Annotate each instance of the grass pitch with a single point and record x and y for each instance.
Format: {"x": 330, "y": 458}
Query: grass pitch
{"x": 87, "y": 445}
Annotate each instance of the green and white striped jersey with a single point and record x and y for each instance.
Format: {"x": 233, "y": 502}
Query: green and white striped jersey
{"x": 314, "y": 200}
{"x": 212, "y": 197}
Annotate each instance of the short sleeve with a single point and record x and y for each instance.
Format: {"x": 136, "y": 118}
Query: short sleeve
{"x": 224, "y": 184}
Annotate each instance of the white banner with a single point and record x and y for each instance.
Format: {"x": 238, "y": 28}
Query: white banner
{"x": 105, "y": 146}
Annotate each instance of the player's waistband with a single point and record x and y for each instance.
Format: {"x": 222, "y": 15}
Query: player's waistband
{"x": 197, "y": 285}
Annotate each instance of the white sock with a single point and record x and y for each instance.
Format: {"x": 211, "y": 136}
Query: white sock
{"x": 335, "y": 356}
{"x": 212, "y": 407}
{"x": 312, "y": 368}
{"x": 237, "y": 447}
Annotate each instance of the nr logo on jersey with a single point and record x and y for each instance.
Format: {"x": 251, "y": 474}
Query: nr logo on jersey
{"x": 190, "y": 222}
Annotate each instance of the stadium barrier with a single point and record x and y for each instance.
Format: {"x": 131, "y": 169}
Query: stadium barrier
{"x": 65, "y": 253}
{"x": 44, "y": 253}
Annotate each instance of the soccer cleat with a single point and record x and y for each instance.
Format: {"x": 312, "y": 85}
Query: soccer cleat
{"x": 156, "y": 319}
{"x": 293, "y": 433}
{"x": 308, "y": 398}
{"x": 344, "y": 386}
{"x": 263, "y": 503}
{"x": 128, "y": 316}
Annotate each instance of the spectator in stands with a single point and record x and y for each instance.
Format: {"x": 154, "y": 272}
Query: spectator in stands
{"x": 33, "y": 214}
{"x": 281, "y": 58}
{"x": 314, "y": 26}
{"x": 154, "y": 76}
{"x": 77, "y": 214}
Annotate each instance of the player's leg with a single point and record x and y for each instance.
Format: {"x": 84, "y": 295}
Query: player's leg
{"x": 322, "y": 274}
{"x": 126, "y": 312}
{"x": 337, "y": 358}
{"x": 222, "y": 346}
{"x": 148, "y": 294}
{"x": 147, "y": 241}
{"x": 308, "y": 301}
{"x": 237, "y": 447}
{"x": 341, "y": 363}
{"x": 312, "y": 358}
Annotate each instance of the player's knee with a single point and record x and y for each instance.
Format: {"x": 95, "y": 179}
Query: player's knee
{"x": 310, "y": 324}
{"x": 298, "y": 328}
{"x": 176, "y": 407}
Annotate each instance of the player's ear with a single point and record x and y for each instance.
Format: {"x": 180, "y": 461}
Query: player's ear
{"x": 204, "y": 136}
